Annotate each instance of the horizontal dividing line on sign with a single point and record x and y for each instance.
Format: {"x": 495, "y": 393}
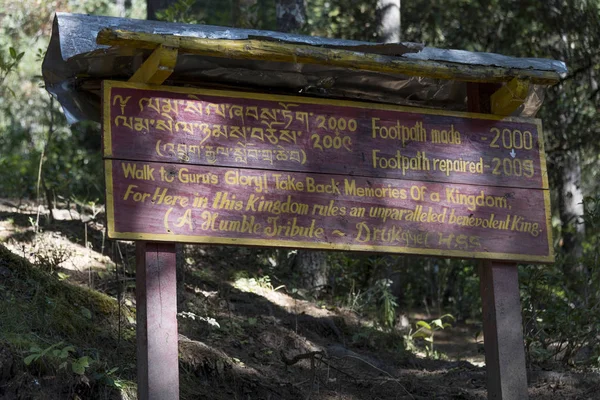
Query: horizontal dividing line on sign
{"x": 316, "y": 172}
{"x": 108, "y": 85}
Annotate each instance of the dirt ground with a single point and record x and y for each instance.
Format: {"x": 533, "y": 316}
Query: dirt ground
{"x": 245, "y": 339}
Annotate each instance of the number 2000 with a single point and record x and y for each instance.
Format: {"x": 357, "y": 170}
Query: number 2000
{"x": 512, "y": 139}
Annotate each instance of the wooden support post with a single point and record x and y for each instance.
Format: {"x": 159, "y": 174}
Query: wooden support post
{"x": 156, "y": 282}
{"x": 157, "y": 345}
{"x": 503, "y": 331}
{"x": 506, "y": 372}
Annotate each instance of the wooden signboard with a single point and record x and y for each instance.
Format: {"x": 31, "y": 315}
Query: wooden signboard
{"x": 205, "y": 166}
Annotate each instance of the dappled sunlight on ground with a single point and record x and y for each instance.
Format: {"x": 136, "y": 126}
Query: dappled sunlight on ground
{"x": 53, "y": 244}
{"x": 276, "y": 296}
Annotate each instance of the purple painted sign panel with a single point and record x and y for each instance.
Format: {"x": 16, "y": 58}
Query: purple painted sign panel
{"x": 248, "y": 130}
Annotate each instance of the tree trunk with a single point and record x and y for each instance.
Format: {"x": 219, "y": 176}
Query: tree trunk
{"x": 120, "y": 6}
{"x": 311, "y": 266}
{"x": 312, "y": 269}
{"x": 388, "y": 30}
{"x": 291, "y": 15}
{"x": 388, "y": 15}
{"x": 570, "y": 206}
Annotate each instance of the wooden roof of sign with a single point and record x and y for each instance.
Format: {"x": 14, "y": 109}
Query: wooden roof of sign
{"x": 85, "y": 50}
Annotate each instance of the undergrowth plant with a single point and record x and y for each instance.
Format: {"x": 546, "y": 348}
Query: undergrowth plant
{"x": 8, "y": 63}
{"x": 61, "y": 357}
{"x": 386, "y": 303}
{"x": 560, "y": 307}
{"x": 426, "y": 331}
{"x": 50, "y": 324}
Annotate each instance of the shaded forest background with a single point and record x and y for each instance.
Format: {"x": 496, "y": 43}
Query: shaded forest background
{"x": 44, "y": 159}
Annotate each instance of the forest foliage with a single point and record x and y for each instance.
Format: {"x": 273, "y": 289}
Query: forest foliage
{"x": 43, "y": 158}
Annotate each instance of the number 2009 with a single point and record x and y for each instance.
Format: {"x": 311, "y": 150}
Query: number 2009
{"x": 513, "y": 167}
{"x": 512, "y": 139}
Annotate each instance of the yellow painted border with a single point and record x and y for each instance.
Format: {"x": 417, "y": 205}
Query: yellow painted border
{"x": 325, "y": 246}
{"x": 106, "y": 131}
{"x": 542, "y": 151}
{"x": 110, "y": 202}
{"x": 545, "y": 184}
{"x": 313, "y": 100}
{"x": 108, "y": 85}
{"x": 547, "y": 208}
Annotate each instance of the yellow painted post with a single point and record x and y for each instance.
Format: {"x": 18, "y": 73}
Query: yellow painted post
{"x": 158, "y": 67}
{"x": 509, "y": 97}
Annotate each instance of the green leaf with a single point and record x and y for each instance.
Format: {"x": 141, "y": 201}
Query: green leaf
{"x": 64, "y": 353}
{"x": 438, "y": 322}
{"x": 31, "y": 358}
{"x": 112, "y": 370}
{"x": 429, "y": 339}
{"x": 420, "y": 334}
{"x": 62, "y": 276}
{"x": 424, "y": 325}
{"x": 78, "y": 368}
{"x": 48, "y": 349}
{"x": 13, "y": 53}
{"x": 80, "y": 365}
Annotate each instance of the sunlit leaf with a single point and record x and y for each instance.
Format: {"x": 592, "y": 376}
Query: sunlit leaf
{"x": 424, "y": 325}
{"x": 437, "y": 322}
